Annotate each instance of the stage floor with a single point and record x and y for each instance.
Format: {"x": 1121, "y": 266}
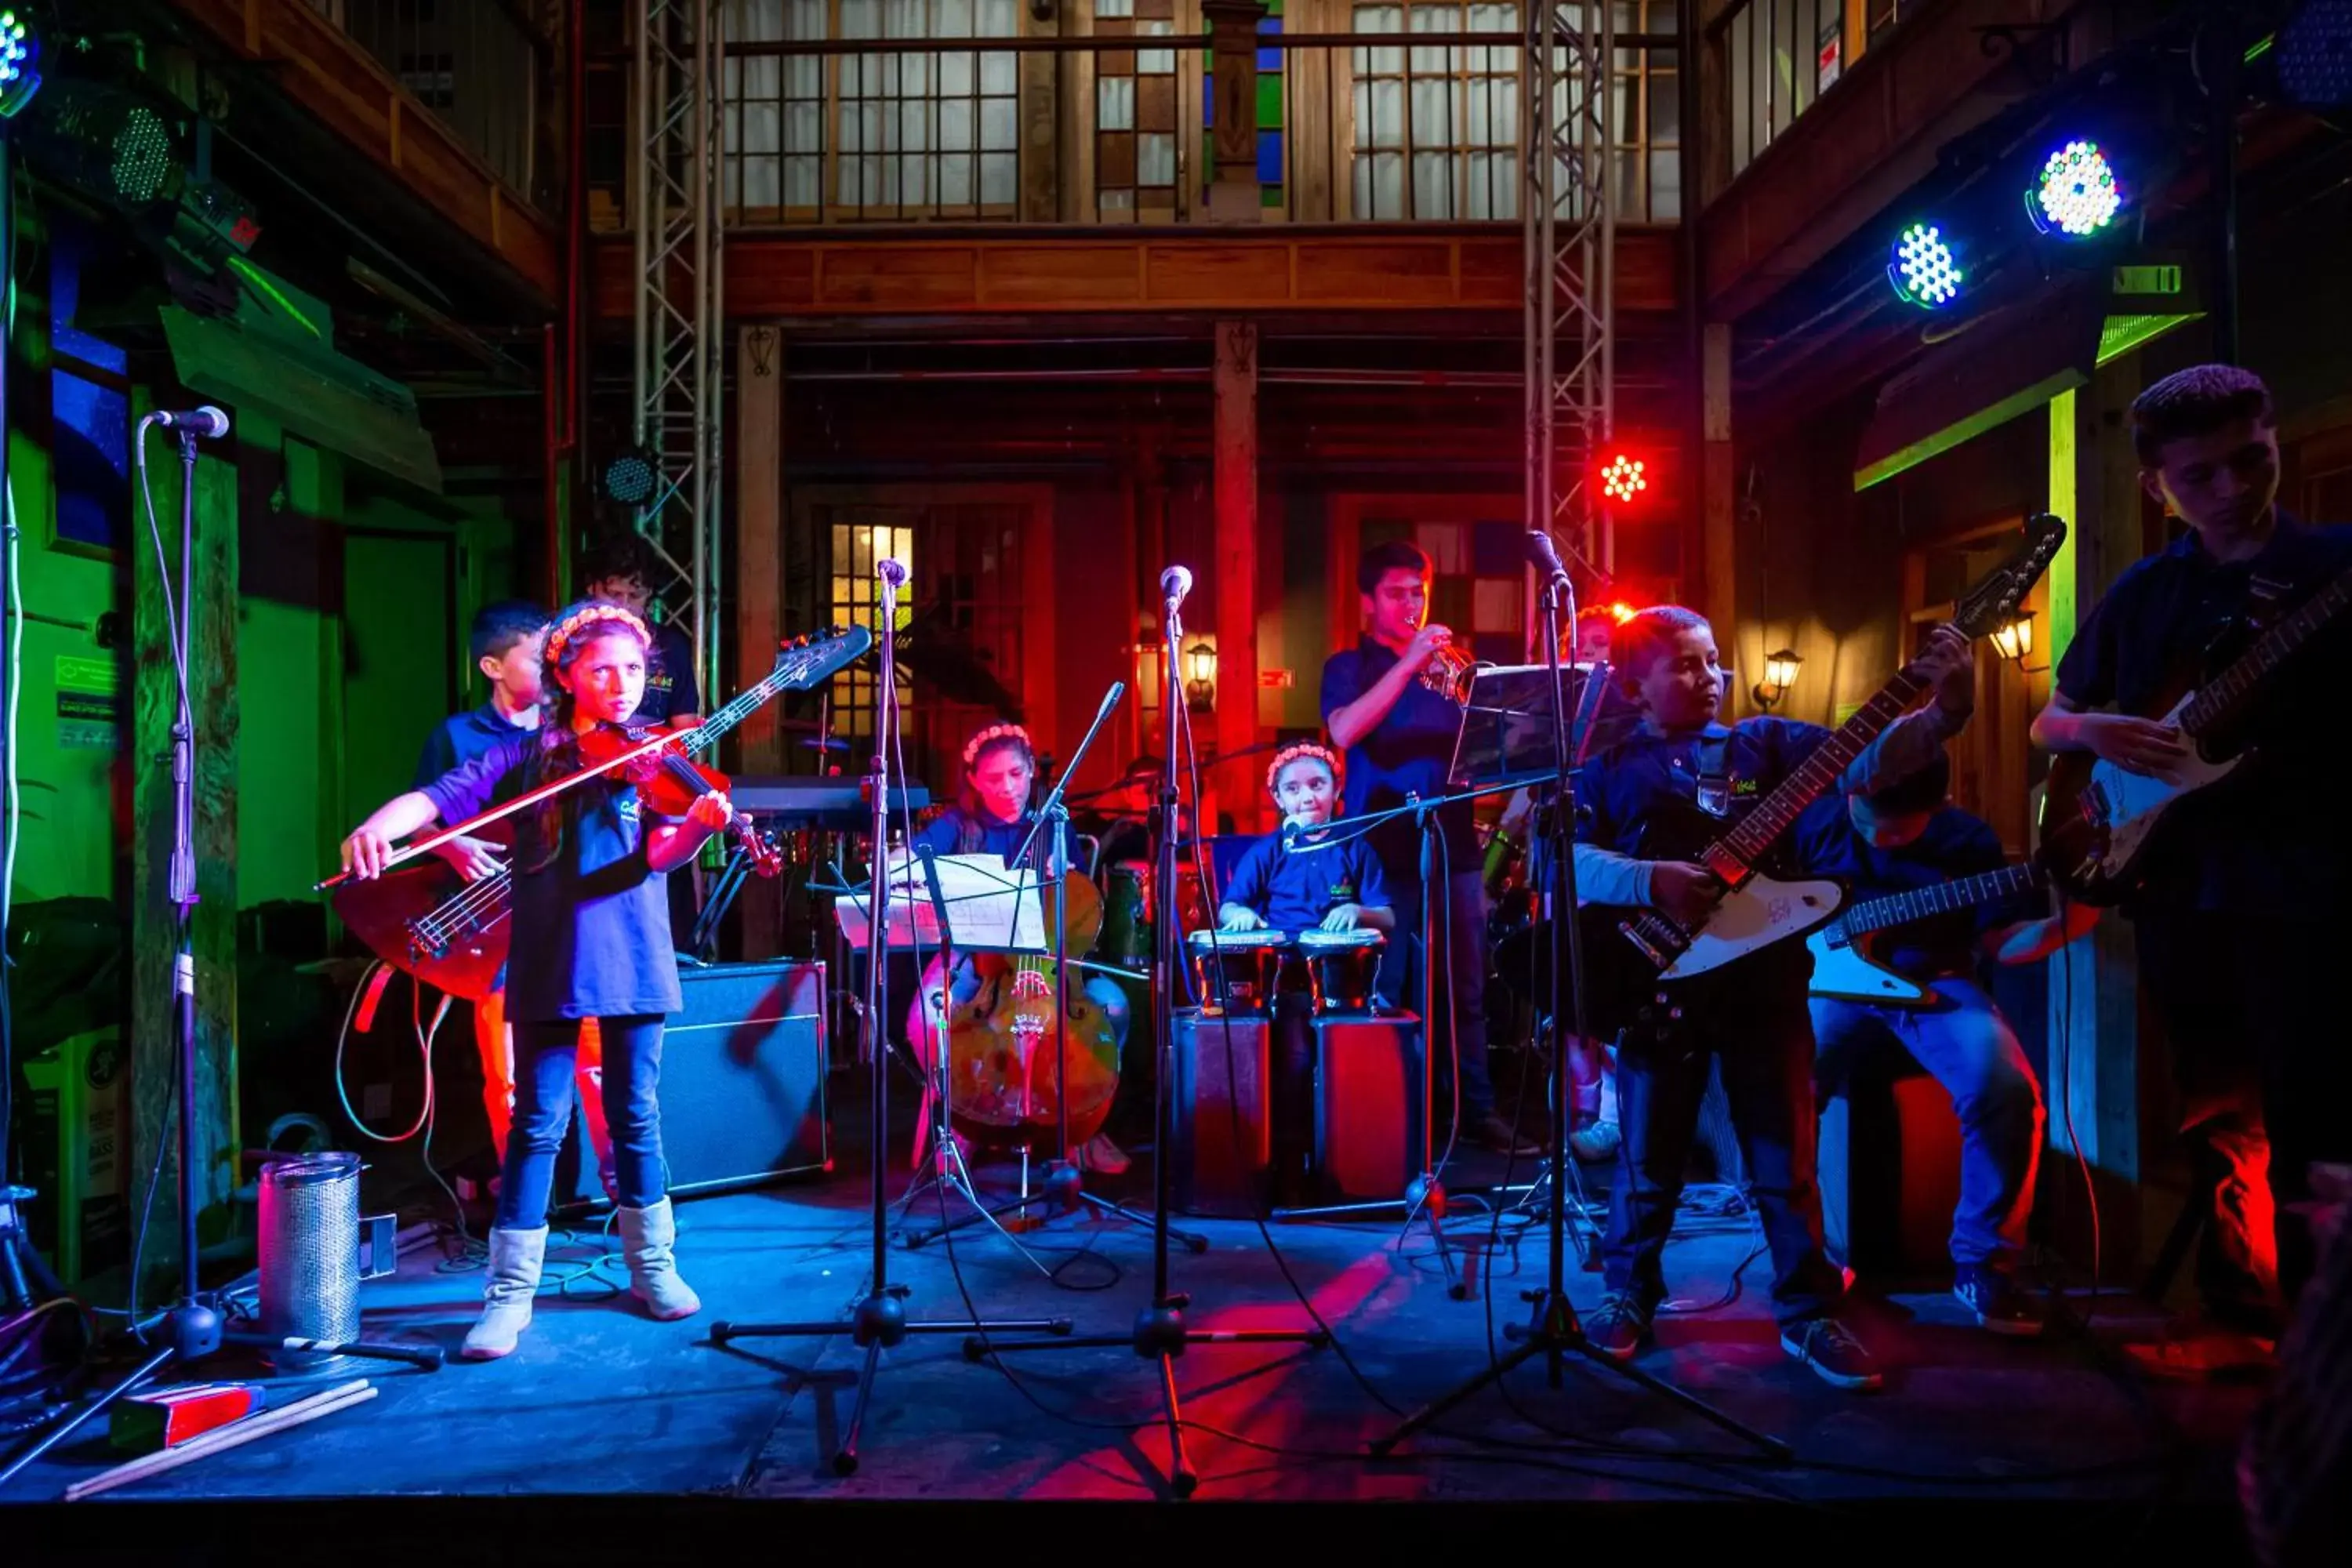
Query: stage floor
{"x": 598, "y": 1400}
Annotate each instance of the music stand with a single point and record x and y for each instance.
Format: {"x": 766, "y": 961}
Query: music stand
{"x": 880, "y": 1319}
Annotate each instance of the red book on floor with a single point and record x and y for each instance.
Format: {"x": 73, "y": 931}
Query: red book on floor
{"x": 166, "y": 1417}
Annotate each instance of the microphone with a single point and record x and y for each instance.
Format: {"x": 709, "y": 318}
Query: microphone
{"x": 206, "y": 422}
{"x": 1174, "y": 583}
{"x": 1110, "y": 700}
{"x": 1544, "y": 556}
{"x": 892, "y": 573}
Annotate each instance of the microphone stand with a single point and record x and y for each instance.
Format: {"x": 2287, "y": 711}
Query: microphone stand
{"x": 1161, "y": 1333}
{"x": 880, "y": 1319}
{"x": 1553, "y": 1329}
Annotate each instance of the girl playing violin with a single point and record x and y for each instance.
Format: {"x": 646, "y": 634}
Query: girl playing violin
{"x": 591, "y": 940}
{"x": 992, "y": 816}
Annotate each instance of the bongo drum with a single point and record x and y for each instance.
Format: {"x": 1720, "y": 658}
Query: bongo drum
{"x": 1340, "y": 966}
{"x": 1248, "y": 962}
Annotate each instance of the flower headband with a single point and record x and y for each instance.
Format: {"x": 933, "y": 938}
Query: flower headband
{"x": 1305, "y": 750}
{"x": 588, "y": 615}
{"x": 995, "y": 732}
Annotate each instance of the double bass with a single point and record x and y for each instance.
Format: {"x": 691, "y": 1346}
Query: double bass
{"x": 1007, "y": 1018}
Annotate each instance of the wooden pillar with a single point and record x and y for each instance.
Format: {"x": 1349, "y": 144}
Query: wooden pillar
{"x": 758, "y": 481}
{"x": 1233, "y": 192}
{"x": 1236, "y": 569}
{"x": 2095, "y": 1066}
{"x": 212, "y": 606}
{"x": 1719, "y": 500}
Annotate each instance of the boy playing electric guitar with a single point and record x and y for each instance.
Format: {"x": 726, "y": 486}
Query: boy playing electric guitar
{"x": 1680, "y": 759}
{"x": 2240, "y": 916}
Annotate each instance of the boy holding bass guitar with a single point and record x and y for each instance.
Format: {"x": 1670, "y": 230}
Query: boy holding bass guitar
{"x": 1930, "y": 885}
{"x": 2198, "y": 801}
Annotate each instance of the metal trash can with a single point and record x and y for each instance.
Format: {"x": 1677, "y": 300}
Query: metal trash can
{"x": 315, "y": 1250}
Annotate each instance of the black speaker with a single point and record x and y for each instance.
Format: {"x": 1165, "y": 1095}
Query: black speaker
{"x": 743, "y": 1076}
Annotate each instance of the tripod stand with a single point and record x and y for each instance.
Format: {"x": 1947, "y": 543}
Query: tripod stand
{"x": 879, "y": 1321}
{"x": 1161, "y": 1333}
{"x": 1552, "y": 1329}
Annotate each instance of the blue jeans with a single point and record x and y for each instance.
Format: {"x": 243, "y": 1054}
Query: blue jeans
{"x": 1460, "y": 924}
{"x": 544, "y": 1059}
{"x": 1767, "y": 1052}
{"x": 1969, "y": 1048}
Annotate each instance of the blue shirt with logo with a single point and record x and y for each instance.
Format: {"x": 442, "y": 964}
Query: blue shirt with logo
{"x": 1293, "y": 888}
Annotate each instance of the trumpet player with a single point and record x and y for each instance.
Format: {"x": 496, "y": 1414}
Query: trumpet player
{"x": 1393, "y": 703}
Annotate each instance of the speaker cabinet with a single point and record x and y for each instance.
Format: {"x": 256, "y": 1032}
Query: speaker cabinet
{"x": 743, "y": 1076}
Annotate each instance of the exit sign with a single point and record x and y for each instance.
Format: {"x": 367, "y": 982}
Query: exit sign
{"x": 2149, "y": 279}
{"x": 1275, "y": 680}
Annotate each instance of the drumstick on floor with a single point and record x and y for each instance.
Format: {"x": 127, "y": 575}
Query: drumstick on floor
{"x": 325, "y": 1402}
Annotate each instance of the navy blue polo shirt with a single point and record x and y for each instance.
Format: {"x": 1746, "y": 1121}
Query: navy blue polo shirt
{"x": 591, "y": 922}
{"x": 461, "y": 738}
{"x": 2247, "y": 844}
{"x": 670, "y": 685}
{"x": 1409, "y": 752}
{"x": 956, "y": 831}
{"x": 1953, "y": 845}
{"x": 1621, "y": 791}
{"x": 1292, "y": 889}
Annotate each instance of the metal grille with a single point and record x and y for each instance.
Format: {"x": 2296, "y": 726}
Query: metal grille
{"x": 309, "y": 1247}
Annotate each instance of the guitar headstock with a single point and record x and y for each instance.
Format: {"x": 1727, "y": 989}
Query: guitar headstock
{"x": 806, "y": 661}
{"x": 1993, "y": 599}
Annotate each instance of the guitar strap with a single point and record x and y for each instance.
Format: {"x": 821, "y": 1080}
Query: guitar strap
{"x": 1714, "y": 776}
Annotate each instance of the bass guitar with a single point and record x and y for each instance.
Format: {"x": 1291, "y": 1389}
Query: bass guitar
{"x": 1843, "y": 970}
{"x": 427, "y": 920}
{"x": 2099, "y": 819}
{"x": 1639, "y": 960}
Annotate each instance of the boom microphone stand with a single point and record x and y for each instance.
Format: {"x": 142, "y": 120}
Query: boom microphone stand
{"x": 1161, "y": 1333}
{"x": 1552, "y": 1328}
{"x": 879, "y": 1321}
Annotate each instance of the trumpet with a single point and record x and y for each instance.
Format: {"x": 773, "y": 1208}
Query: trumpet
{"x": 1447, "y": 672}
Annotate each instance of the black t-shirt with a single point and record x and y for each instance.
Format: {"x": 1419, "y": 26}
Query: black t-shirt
{"x": 2251, "y": 844}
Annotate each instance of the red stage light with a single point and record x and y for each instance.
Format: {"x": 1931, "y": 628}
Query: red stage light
{"x": 1622, "y": 479}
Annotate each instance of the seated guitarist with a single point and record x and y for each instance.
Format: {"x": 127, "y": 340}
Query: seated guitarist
{"x": 506, "y": 641}
{"x": 1680, "y": 759}
{"x": 1904, "y": 837}
{"x": 2241, "y": 923}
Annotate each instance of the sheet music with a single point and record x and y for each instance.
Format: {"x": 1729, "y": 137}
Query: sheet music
{"x": 991, "y": 908}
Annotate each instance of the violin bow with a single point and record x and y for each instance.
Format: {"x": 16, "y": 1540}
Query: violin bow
{"x": 407, "y": 852}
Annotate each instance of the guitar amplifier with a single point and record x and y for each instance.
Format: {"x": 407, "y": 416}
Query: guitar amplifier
{"x": 743, "y": 1076}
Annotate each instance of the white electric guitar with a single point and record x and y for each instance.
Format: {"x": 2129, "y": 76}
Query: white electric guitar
{"x": 1843, "y": 970}
{"x": 2097, "y": 818}
{"x": 1631, "y": 979}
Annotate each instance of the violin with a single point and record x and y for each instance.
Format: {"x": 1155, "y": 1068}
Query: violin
{"x": 669, "y": 782}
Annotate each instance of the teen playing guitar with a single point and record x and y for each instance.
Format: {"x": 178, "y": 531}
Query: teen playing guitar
{"x": 2238, "y": 905}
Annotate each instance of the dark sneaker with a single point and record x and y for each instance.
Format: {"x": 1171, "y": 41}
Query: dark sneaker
{"x": 1999, "y": 1306}
{"x": 1618, "y": 1328}
{"x": 1491, "y": 1132}
{"x": 1836, "y": 1357}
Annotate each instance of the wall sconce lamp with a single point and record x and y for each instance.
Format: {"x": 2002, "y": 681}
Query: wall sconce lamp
{"x": 1779, "y": 674}
{"x": 1201, "y": 677}
{"x": 2014, "y": 641}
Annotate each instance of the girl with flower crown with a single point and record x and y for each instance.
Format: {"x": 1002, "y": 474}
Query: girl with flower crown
{"x": 591, "y": 940}
{"x": 992, "y": 816}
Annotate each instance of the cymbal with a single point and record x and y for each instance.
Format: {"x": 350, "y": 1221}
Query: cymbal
{"x": 827, "y": 744}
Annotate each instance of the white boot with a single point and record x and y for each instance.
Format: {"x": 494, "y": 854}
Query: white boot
{"x": 648, "y": 1239}
{"x": 516, "y": 1258}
